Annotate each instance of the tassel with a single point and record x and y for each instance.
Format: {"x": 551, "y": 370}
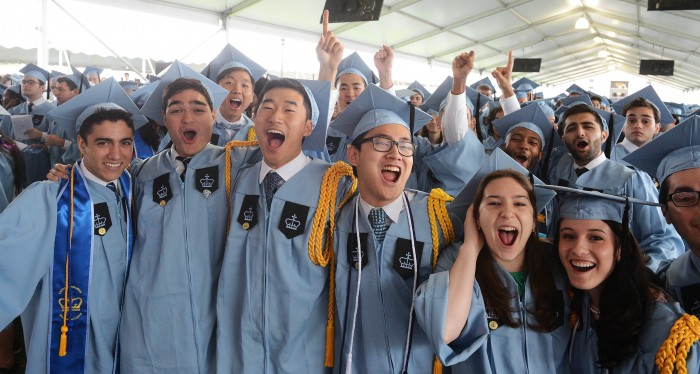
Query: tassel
{"x": 437, "y": 366}
{"x": 63, "y": 342}
{"x": 330, "y": 350}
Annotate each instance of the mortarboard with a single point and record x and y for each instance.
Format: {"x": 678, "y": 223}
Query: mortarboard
{"x": 545, "y": 105}
{"x": 498, "y": 160}
{"x": 56, "y": 74}
{"x": 568, "y": 102}
{"x": 319, "y": 93}
{"x": 483, "y": 81}
{"x": 153, "y": 107}
{"x": 435, "y": 103}
{"x": 418, "y": 88}
{"x": 142, "y": 94}
{"x": 650, "y": 94}
{"x": 533, "y": 118}
{"x": 676, "y": 108}
{"x": 525, "y": 85}
{"x": 354, "y": 64}
{"x": 108, "y": 94}
{"x": 376, "y": 107}
{"x": 574, "y": 88}
{"x": 93, "y": 70}
{"x": 31, "y": 70}
{"x": 230, "y": 58}
{"x": 405, "y": 93}
{"x": 15, "y": 78}
{"x": 673, "y": 151}
{"x": 129, "y": 85}
{"x": 475, "y": 100}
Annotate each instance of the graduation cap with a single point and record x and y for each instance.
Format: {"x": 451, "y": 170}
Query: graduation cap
{"x": 650, "y": 94}
{"x": 142, "y": 94}
{"x": 545, "y": 105}
{"x": 319, "y": 93}
{"x": 56, "y": 74}
{"x": 593, "y": 205}
{"x": 153, "y": 107}
{"x": 230, "y": 58}
{"x": 498, "y": 160}
{"x": 568, "y": 102}
{"x": 89, "y": 70}
{"x": 483, "y": 81}
{"x": 532, "y": 118}
{"x": 16, "y": 79}
{"x": 108, "y": 94}
{"x": 15, "y": 88}
{"x": 437, "y": 100}
{"x": 376, "y": 107}
{"x": 676, "y": 108}
{"x": 80, "y": 79}
{"x": 31, "y": 70}
{"x": 475, "y": 100}
{"x": 675, "y": 150}
{"x": 574, "y": 88}
{"x": 129, "y": 85}
{"x": 354, "y": 64}
{"x": 405, "y": 93}
{"x": 525, "y": 85}
{"x": 418, "y": 88}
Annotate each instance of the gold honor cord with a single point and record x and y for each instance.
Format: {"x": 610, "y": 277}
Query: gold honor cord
{"x": 227, "y": 166}
{"x": 63, "y": 342}
{"x": 674, "y": 351}
{"x": 251, "y": 134}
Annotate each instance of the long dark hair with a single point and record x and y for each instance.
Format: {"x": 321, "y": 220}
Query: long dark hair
{"x": 625, "y": 302}
{"x": 496, "y": 296}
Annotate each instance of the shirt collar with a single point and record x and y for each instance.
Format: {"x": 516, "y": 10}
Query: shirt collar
{"x": 89, "y": 176}
{"x": 393, "y": 209}
{"x": 593, "y": 163}
{"x": 628, "y": 145}
{"x": 221, "y": 119}
{"x": 288, "y": 170}
{"x": 38, "y": 101}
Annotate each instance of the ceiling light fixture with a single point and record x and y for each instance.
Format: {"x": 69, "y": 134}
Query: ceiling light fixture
{"x": 582, "y": 23}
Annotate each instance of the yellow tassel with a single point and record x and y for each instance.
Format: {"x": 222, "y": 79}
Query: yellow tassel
{"x": 227, "y": 165}
{"x": 324, "y": 255}
{"x": 251, "y": 134}
{"x": 674, "y": 351}
{"x": 437, "y": 214}
{"x": 63, "y": 342}
{"x": 437, "y": 366}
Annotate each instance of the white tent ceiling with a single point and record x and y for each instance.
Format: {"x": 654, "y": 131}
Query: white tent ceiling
{"x": 621, "y": 31}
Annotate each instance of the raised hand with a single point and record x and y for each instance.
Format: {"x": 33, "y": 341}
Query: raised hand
{"x": 384, "y": 62}
{"x": 462, "y": 65}
{"x": 329, "y": 52}
{"x": 503, "y": 76}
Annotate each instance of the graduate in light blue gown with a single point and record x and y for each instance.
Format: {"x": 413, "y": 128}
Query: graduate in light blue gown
{"x": 62, "y": 150}
{"x": 674, "y": 159}
{"x": 584, "y": 133}
{"x": 80, "y": 228}
{"x": 375, "y": 331}
{"x": 272, "y": 300}
{"x": 498, "y": 302}
{"x": 12, "y": 171}
{"x": 620, "y": 319}
{"x": 181, "y": 202}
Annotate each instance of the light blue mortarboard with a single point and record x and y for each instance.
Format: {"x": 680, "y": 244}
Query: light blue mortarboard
{"x": 614, "y": 120}
{"x": 650, "y": 94}
{"x": 93, "y": 70}
{"x": 15, "y": 78}
{"x": 56, "y": 74}
{"x": 142, "y": 94}
{"x": 230, "y": 58}
{"x": 129, "y": 85}
{"x": 418, "y": 88}
{"x": 493, "y": 105}
{"x": 531, "y": 118}
{"x": 435, "y": 103}
{"x": 405, "y": 94}
{"x": 574, "y": 88}
{"x": 31, "y": 70}
{"x": 78, "y": 80}
{"x": 482, "y": 81}
{"x": 675, "y": 150}
{"x": 153, "y": 107}
{"x": 376, "y": 107}
{"x": 354, "y": 64}
{"x": 568, "y": 102}
{"x": 545, "y": 105}
{"x": 525, "y": 84}
{"x": 108, "y": 94}
{"x": 474, "y": 98}
{"x": 498, "y": 160}
{"x": 14, "y": 88}
{"x": 521, "y": 94}
{"x": 319, "y": 93}
{"x": 676, "y": 108}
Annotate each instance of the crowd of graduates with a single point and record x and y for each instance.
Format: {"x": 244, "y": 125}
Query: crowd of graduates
{"x": 232, "y": 222}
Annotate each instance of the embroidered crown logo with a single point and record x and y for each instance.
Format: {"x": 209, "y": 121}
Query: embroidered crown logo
{"x": 330, "y": 146}
{"x": 292, "y": 223}
{"x": 406, "y": 261}
{"x": 248, "y": 215}
{"x": 206, "y": 182}
{"x": 355, "y": 255}
{"x": 162, "y": 192}
{"x": 100, "y": 221}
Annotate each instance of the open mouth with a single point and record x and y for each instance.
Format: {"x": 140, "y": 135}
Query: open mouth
{"x": 391, "y": 174}
{"x": 275, "y": 138}
{"x": 349, "y": 102}
{"x": 189, "y": 135}
{"x": 507, "y": 235}
{"x": 582, "y": 266}
{"x": 521, "y": 158}
{"x": 113, "y": 165}
{"x": 235, "y": 103}
{"x": 582, "y": 144}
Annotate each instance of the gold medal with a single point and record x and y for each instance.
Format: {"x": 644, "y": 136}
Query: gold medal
{"x": 102, "y": 231}
{"x": 162, "y": 203}
{"x": 493, "y": 325}
{"x": 246, "y": 226}
{"x": 357, "y": 266}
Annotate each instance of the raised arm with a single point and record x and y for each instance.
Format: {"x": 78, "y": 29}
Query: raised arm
{"x": 384, "y": 62}
{"x": 329, "y": 52}
{"x": 503, "y": 76}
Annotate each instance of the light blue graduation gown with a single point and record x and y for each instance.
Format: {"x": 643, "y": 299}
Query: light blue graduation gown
{"x": 658, "y": 240}
{"x": 683, "y": 282}
{"x": 272, "y": 301}
{"x": 27, "y": 235}
{"x": 7, "y": 179}
{"x": 6, "y": 125}
{"x": 489, "y": 145}
{"x": 386, "y": 292}
{"x": 36, "y": 160}
{"x": 169, "y": 320}
{"x": 584, "y": 345}
{"x": 479, "y": 349}
{"x": 618, "y": 153}
{"x": 337, "y": 145}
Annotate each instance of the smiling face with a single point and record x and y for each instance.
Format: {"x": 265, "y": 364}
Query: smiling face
{"x": 589, "y": 250}
{"x": 525, "y": 147}
{"x": 189, "y": 120}
{"x": 350, "y": 86}
{"x": 239, "y": 84}
{"x": 583, "y": 137}
{"x": 381, "y": 176}
{"x": 107, "y": 149}
{"x": 686, "y": 220}
{"x": 506, "y": 218}
{"x": 281, "y": 123}
{"x": 640, "y": 127}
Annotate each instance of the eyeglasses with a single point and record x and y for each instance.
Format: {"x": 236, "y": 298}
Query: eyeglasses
{"x": 29, "y": 83}
{"x": 384, "y": 144}
{"x": 685, "y": 198}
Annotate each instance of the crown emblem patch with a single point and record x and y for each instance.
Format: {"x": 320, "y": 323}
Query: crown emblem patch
{"x": 293, "y": 220}
{"x": 162, "y": 193}
{"x": 207, "y": 180}
{"x": 101, "y": 220}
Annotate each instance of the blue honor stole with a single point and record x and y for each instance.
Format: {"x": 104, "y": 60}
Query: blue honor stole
{"x": 72, "y": 272}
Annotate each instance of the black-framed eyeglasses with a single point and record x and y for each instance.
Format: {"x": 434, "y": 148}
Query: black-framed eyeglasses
{"x": 29, "y": 83}
{"x": 384, "y": 144}
{"x": 684, "y": 198}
